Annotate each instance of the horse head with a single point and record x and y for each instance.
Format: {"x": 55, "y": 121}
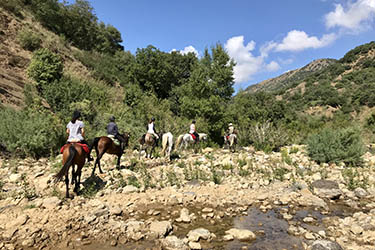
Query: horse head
{"x": 126, "y": 135}
{"x": 202, "y": 136}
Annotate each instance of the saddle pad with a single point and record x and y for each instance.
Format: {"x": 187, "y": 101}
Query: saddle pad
{"x": 84, "y": 147}
{"x": 115, "y": 141}
{"x": 193, "y": 136}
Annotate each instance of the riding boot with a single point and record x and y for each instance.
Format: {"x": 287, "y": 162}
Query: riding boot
{"x": 89, "y": 158}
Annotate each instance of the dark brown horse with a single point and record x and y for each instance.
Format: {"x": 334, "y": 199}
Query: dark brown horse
{"x": 73, "y": 154}
{"x": 104, "y": 145}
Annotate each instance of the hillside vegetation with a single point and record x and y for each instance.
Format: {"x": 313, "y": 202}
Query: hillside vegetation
{"x": 59, "y": 57}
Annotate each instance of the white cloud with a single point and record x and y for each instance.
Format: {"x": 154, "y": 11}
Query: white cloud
{"x": 356, "y": 16}
{"x": 273, "y": 66}
{"x": 247, "y": 64}
{"x": 297, "y": 40}
{"x": 187, "y": 50}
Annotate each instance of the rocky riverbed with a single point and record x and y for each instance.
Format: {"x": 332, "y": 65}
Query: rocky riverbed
{"x": 211, "y": 200}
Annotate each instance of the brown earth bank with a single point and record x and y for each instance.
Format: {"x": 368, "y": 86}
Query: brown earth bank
{"x": 211, "y": 200}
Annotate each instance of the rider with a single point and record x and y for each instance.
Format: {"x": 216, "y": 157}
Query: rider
{"x": 193, "y": 131}
{"x": 76, "y": 132}
{"x": 229, "y": 131}
{"x": 151, "y": 128}
{"x": 112, "y": 129}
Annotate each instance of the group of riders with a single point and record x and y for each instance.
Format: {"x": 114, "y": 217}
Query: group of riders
{"x": 76, "y": 132}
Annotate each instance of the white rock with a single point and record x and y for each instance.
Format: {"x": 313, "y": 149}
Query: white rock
{"x": 197, "y": 234}
{"x": 14, "y": 177}
{"x": 51, "y": 202}
{"x": 241, "y": 234}
{"x": 161, "y": 228}
{"x": 195, "y": 245}
{"x": 129, "y": 189}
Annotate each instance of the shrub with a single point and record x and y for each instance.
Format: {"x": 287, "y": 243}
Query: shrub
{"x": 29, "y": 40}
{"x": 336, "y": 145}
{"x": 28, "y": 133}
{"x": 267, "y": 137}
{"x": 45, "y": 68}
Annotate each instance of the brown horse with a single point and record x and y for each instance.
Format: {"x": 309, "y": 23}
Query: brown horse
{"x": 72, "y": 155}
{"x": 104, "y": 145}
{"x": 146, "y": 142}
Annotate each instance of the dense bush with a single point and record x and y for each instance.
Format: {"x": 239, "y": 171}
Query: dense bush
{"x": 336, "y": 145}
{"x": 29, "y": 40}
{"x": 28, "y": 133}
{"x": 45, "y": 68}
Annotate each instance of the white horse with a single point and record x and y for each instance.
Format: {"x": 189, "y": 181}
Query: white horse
{"x": 167, "y": 142}
{"x": 184, "y": 140}
{"x": 231, "y": 141}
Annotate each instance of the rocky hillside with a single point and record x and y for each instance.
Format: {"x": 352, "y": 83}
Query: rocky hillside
{"x": 288, "y": 78}
{"x": 14, "y": 59}
{"x": 211, "y": 200}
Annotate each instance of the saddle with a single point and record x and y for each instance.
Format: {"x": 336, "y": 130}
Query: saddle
{"x": 84, "y": 147}
{"x": 115, "y": 141}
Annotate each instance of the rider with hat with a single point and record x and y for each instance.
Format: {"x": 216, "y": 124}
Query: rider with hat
{"x": 229, "y": 131}
{"x": 112, "y": 129}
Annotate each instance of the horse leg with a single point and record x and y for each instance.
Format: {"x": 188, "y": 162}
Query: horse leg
{"x": 97, "y": 162}
{"x": 100, "y": 156}
{"x": 67, "y": 185}
{"x": 78, "y": 180}
{"x": 73, "y": 175}
{"x": 118, "y": 160}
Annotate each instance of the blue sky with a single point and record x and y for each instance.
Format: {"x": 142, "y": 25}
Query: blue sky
{"x": 266, "y": 38}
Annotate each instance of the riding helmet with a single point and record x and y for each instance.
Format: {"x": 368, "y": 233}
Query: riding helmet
{"x": 153, "y": 119}
{"x": 112, "y": 118}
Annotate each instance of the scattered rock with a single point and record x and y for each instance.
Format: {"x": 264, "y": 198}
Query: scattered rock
{"x": 326, "y": 189}
{"x": 51, "y": 202}
{"x": 360, "y": 192}
{"x": 173, "y": 243}
{"x": 197, "y": 234}
{"x": 195, "y": 245}
{"x": 325, "y": 245}
{"x": 129, "y": 189}
{"x": 161, "y": 228}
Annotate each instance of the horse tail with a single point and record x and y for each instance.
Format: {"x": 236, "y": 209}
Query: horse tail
{"x": 94, "y": 144}
{"x": 164, "y": 144}
{"x": 179, "y": 139}
{"x": 68, "y": 163}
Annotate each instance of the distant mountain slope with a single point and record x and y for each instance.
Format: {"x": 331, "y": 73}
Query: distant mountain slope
{"x": 287, "y": 79}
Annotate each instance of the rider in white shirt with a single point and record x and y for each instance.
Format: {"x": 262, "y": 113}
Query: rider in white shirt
{"x": 193, "y": 131}
{"x": 151, "y": 128}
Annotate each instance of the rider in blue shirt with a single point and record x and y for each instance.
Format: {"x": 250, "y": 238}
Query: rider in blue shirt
{"x": 112, "y": 129}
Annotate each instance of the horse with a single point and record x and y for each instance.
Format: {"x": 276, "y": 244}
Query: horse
{"x": 103, "y": 145}
{"x": 73, "y": 154}
{"x": 184, "y": 140}
{"x": 167, "y": 141}
{"x": 147, "y": 141}
{"x": 231, "y": 141}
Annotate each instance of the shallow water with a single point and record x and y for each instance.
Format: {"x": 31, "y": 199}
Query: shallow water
{"x": 270, "y": 229}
